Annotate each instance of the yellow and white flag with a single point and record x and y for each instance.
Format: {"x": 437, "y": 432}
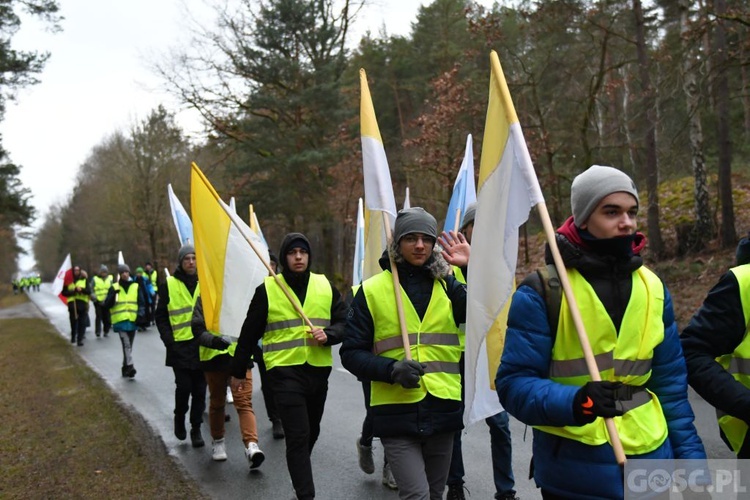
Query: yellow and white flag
{"x": 507, "y": 190}
{"x": 379, "y": 196}
{"x": 229, "y": 270}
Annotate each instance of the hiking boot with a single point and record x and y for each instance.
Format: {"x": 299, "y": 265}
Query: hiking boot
{"x": 388, "y": 479}
{"x": 80, "y": 343}
{"x": 130, "y": 371}
{"x": 254, "y": 455}
{"x": 195, "y": 437}
{"x": 219, "y": 450}
{"x": 179, "y": 426}
{"x": 456, "y": 492}
{"x": 230, "y": 398}
{"x": 366, "y": 462}
{"x": 511, "y": 495}
{"x": 98, "y": 334}
{"x": 278, "y": 429}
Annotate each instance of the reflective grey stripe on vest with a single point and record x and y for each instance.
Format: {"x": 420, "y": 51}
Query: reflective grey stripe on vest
{"x": 639, "y": 399}
{"x": 739, "y": 366}
{"x": 184, "y": 310}
{"x": 577, "y": 367}
{"x": 178, "y": 326}
{"x": 441, "y": 367}
{"x": 424, "y": 339}
{"x": 289, "y": 344}
{"x": 291, "y": 323}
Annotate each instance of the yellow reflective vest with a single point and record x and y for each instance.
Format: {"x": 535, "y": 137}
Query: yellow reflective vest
{"x": 625, "y": 357}
{"x": 153, "y": 277}
{"x": 286, "y": 340}
{"x": 101, "y": 287}
{"x": 738, "y": 364}
{"x": 126, "y": 307}
{"x": 180, "y": 308}
{"x": 435, "y": 341}
{"x": 80, "y": 283}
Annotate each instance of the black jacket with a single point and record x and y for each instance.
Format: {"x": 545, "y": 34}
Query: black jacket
{"x": 255, "y": 325}
{"x": 220, "y": 363}
{"x": 110, "y": 300}
{"x": 717, "y": 328}
{"x": 431, "y": 415}
{"x": 179, "y": 354}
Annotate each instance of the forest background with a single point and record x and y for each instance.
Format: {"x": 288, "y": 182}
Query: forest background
{"x": 659, "y": 89}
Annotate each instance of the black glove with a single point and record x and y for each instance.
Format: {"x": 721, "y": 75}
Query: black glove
{"x": 407, "y": 373}
{"x": 220, "y": 343}
{"x": 596, "y": 399}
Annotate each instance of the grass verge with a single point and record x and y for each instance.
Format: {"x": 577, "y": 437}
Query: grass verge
{"x": 64, "y": 433}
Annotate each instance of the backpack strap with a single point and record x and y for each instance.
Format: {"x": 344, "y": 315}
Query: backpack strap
{"x": 552, "y": 294}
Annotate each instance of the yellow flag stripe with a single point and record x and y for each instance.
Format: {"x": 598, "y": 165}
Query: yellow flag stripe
{"x": 368, "y": 122}
{"x": 500, "y": 115}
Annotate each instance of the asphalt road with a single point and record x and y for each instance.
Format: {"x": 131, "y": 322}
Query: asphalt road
{"x": 337, "y": 474}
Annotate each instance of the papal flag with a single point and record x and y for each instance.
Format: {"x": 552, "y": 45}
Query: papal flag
{"x": 229, "y": 270}
{"x": 379, "y": 198}
{"x": 507, "y": 190}
{"x": 359, "y": 245}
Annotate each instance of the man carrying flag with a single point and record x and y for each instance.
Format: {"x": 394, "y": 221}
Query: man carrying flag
{"x": 415, "y": 393}
{"x": 77, "y": 293}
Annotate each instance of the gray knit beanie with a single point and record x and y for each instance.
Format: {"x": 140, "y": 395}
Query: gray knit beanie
{"x": 123, "y": 268}
{"x": 103, "y": 268}
{"x": 468, "y": 218}
{"x": 594, "y": 184}
{"x": 185, "y": 250}
{"x": 414, "y": 220}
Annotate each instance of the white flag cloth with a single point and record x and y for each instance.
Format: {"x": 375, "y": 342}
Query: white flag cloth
{"x": 508, "y": 189}
{"x": 59, "y": 282}
{"x": 229, "y": 270}
{"x": 359, "y": 245}
{"x": 379, "y": 196}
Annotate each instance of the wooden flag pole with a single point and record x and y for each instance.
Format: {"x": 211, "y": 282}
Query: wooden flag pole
{"x": 578, "y": 322}
{"x": 457, "y": 222}
{"x": 397, "y": 290}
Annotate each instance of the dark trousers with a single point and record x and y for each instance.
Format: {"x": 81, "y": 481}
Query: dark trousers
{"x": 265, "y": 385}
{"x": 78, "y": 320}
{"x": 301, "y": 412}
{"x": 102, "y": 321}
{"x": 190, "y": 383}
{"x": 367, "y": 427}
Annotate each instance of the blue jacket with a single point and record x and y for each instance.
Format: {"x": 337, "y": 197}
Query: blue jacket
{"x": 566, "y": 467}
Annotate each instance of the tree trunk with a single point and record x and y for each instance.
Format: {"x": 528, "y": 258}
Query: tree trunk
{"x": 649, "y": 137}
{"x": 728, "y": 235}
{"x": 703, "y": 226}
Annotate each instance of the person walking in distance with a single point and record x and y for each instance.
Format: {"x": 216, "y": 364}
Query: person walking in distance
{"x": 415, "y": 394}
{"x": 626, "y": 309}
{"x": 126, "y": 302}
{"x": 100, "y": 285}
{"x": 77, "y": 293}
{"x": 216, "y": 353}
{"x": 173, "y": 316}
{"x": 298, "y": 359}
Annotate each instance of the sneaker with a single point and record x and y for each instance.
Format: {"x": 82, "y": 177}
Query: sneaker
{"x": 278, "y": 429}
{"x": 254, "y": 455}
{"x": 456, "y": 492}
{"x": 366, "y": 462}
{"x": 230, "y": 398}
{"x": 388, "y": 479}
{"x": 179, "y": 426}
{"x": 219, "y": 450}
{"x": 196, "y": 438}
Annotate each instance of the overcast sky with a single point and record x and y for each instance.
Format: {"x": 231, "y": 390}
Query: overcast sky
{"x": 96, "y": 82}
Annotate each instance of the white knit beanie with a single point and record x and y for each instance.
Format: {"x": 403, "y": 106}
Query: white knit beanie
{"x": 594, "y": 184}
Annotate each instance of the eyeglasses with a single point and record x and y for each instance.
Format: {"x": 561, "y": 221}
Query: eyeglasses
{"x": 412, "y": 239}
